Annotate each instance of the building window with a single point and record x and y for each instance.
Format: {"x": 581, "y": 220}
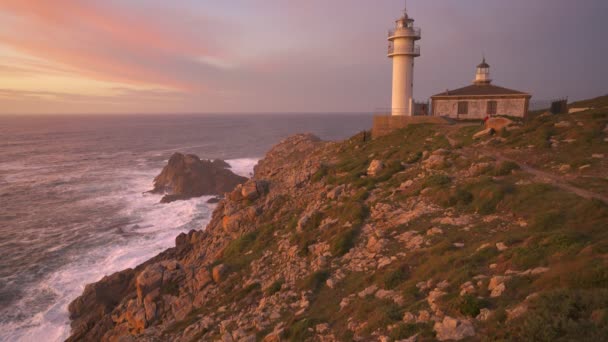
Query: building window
{"x": 463, "y": 108}
{"x": 492, "y": 107}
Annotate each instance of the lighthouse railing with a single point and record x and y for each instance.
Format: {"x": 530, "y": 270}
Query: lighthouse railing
{"x": 405, "y": 32}
{"x": 406, "y": 50}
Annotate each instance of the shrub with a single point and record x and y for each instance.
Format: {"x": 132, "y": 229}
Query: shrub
{"x": 470, "y": 306}
{"x": 298, "y": 331}
{"x": 505, "y": 168}
{"x": 315, "y": 281}
{"x": 437, "y": 180}
{"x": 563, "y": 315}
{"x": 274, "y": 287}
{"x": 396, "y": 277}
{"x": 343, "y": 242}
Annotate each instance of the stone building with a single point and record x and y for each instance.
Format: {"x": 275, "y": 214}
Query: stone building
{"x": 480, "y": 99}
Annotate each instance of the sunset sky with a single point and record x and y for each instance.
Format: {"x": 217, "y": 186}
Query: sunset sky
{"x": 152, "y": 56}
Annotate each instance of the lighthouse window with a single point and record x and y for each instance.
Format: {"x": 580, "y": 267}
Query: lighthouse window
{"x": 463, "y": 108}
{"x": 492, "y": 107}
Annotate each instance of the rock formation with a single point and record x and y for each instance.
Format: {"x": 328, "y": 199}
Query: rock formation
{"x": 186, "y": 176}
{"x": 443, "y": 243}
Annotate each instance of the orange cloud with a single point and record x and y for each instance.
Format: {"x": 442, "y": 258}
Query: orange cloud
{"x": 107, "y": 43}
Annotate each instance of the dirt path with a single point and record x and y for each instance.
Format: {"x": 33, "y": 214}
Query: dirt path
{"x": 558, "y": 181}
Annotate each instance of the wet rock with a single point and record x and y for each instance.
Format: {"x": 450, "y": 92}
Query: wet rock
{"x": 187, "y": 176}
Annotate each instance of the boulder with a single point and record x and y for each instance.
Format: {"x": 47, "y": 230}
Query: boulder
{"x": 485, "y": 133}
{"x": 148, "y": 280}
{"x": 497, "y": 124}
{"x": 219, "y": 273}
{"x": 253, "y": 190}
{"x": 453, "y": 329}
{"x": 375, "y": 167}
{"x": 187, "y": 176}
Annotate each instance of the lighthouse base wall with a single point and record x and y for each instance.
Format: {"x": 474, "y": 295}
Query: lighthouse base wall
{"x": 386, "y": 124}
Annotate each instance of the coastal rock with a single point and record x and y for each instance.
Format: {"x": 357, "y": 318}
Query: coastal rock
{"x": 187, "y": 176}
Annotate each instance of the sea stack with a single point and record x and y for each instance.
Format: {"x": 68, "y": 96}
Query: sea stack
{"x": 187, "y": 176}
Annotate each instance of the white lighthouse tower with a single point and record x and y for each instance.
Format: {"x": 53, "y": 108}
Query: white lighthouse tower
{"x": 402, "y": 50}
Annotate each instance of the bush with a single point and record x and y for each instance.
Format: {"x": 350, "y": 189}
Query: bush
{"x": 564, "y": 315}
{"x": 505, "y": 168}
{"x": 343, "y": 242}
{"x": 437, "y": 180}
{"x": 396, "y": 277}
{"x": 274, "y": 287}
{"x": 470, "y": 306}
{"x": 298, "y": 331}
{"x": 315, "y": 281}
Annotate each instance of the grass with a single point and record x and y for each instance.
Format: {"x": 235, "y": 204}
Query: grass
{"x": 562, "y": 315}
{"x": 315, "y": 281}
{"x": 395, "y": 277}
{"x": 241, "y": 251}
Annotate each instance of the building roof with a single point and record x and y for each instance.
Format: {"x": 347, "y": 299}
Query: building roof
{"x": 481, "y": 90}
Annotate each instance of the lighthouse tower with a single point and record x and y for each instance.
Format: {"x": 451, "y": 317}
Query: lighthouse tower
{"x": 402, "y": 50}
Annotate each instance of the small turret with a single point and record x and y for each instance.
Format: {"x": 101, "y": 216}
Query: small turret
{"x": 482, "y": 76}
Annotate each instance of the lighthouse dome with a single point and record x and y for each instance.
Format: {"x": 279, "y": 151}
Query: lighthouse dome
{"x": 483, "y": 65}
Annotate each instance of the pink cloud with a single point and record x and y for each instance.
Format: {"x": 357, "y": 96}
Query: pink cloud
{"x": 110, "y": 43}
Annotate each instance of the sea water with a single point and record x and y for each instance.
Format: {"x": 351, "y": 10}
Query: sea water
{"x": 73, "y": 201}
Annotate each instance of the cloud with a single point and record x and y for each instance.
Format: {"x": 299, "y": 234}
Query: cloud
{"x": 114, "y": 43}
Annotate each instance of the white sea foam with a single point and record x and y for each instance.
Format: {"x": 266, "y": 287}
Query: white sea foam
{"x": 152, "y": 229}
{"x": 244, "y": 166}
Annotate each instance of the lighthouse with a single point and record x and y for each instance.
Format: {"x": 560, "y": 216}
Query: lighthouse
{"x": 402, "y": 49}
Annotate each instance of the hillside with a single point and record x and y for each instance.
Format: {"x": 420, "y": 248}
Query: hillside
{"x": 426, "y": 234}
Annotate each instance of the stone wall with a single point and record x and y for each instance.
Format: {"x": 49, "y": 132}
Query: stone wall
{"x": 385, "y": 124}
{"x": 510, "y": 106}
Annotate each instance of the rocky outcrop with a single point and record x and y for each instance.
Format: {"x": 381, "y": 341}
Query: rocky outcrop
{"x": 318, "y": 246}
{"x": 187, "y": 176}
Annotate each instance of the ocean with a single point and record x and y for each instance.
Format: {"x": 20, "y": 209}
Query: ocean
{"x": 73, "y": 201}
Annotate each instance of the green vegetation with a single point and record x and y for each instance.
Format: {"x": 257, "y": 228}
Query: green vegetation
{"x": 274, "y": 287}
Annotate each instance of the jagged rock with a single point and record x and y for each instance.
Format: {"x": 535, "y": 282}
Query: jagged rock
{"x": 453, "y": 329}
{"x": 252, "y": 189}
{"x": 375, "y": 167}
{"x": 151, "y": 278}
{"x": 186, "y": 176}
{"x": 88, "y": 312}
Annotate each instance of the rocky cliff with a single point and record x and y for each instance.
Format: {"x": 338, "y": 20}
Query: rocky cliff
{"x": 426, "y": 234}
{"x": 186, "y": 176}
